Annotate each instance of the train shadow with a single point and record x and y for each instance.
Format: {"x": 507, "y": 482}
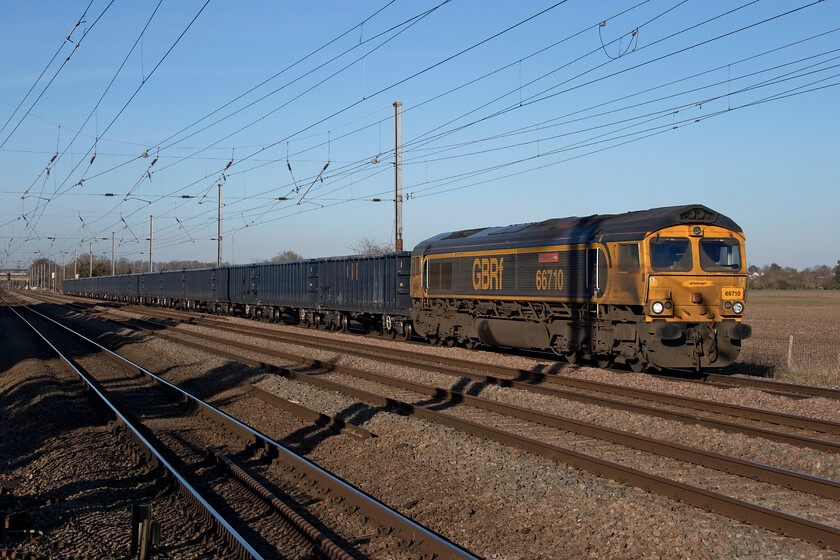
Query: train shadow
{"x": 447, "y": 399}
{"x": 305, "y": 440}
{"x": 230, "y": 375}
{"x": 35, "y": 410}
{"x": 753, "y": 370}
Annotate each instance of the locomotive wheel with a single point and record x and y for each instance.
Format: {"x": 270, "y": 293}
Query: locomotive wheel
{"x": 408, "y": 331}
{"x": 433, "y": 340}
{"x": 345, "y": 323}
{"x": 637, "y": 366}
{"x": 605, "y": 361}
{"x": 572, "y": 357}
{"x": 316, "y": 322}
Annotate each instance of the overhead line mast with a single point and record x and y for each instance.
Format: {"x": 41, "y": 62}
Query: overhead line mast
{"x": 398, "y": 242}
{"x": 219, "y": 258}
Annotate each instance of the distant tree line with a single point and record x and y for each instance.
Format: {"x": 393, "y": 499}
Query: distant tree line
{"x": 775, "y": 277}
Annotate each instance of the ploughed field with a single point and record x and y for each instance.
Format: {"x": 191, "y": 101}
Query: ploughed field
{"x": 811, "y": 317}
{"x": 495, "y": 501}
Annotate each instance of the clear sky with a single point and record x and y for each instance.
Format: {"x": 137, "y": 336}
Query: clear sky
{"x": 512, "y": 112}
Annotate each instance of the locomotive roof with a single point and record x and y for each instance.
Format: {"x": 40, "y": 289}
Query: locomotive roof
{"x": 630, "y": 226}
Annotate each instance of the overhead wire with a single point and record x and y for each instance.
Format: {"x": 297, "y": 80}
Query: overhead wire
{"x": 242, "y": 95}
{"x": 107, "y": 89}
{"x": 278, "y": 74}
{"x": 531, "y": 100}
{"x": 753, "y": 86}
{"x": 655, "y": 132}
{"x": 408, "y": 145}
{"x": 47, "y": 67}
{"x": 447, "y": 59}
{"x": 428, "y": 11}
{"x": 57, "y": 192}
{"x": 646, "y": 132}
{"x": 408, "y": 24}
{"x": 139, "y": 87}
{"x": 431, "y": 194}
{"x": 545, "y": 124}
{"x": 397, "y": 83}
{"x": 649, "y": 21}
{"x": 55, "y": 75}
{"x": 475, "y": 45}
{"x": 470, "y": 82}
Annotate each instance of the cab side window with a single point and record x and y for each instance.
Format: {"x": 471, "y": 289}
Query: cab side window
{"x": 628, "y": 257}
{"x": 440, "y": 274}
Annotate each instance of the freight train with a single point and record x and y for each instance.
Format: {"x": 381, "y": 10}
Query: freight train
{"x": 660, "y": 288}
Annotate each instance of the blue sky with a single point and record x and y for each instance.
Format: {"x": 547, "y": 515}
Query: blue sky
{"x": 512, "y": 112}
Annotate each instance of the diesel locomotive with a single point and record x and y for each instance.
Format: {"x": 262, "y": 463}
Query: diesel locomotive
{"x": 663, "y": 288}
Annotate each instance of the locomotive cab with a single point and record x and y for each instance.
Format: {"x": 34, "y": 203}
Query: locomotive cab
{"x": 694, "y": 295}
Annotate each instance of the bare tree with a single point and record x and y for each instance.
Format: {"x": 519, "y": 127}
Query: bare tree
{"x": 287, "y": 255}
{"x": 182, "y": 265}
{"x": 368, "y": 246}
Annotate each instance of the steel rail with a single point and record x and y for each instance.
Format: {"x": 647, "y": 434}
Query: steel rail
{"x": 777, "y": 387}
{"x": 782, "y": 388}
{"x": 777, "y": 521}
{"x": 428, "y": 541}
{"x": 323, "y": 543}
{"x": 765, "y": 473}
{"x": 526, "y": 379}
{"x": 773, "y": 435}
{"x": 737, "y": 509}
{"x": 335, "y": 424}
{"x": 523, "y": 378}
{"x": 239, "y": 542}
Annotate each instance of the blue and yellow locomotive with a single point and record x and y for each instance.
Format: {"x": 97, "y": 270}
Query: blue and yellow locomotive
{"x": 663, "y": 287}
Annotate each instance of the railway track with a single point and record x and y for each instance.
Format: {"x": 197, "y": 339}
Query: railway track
{"x": 785, "y": 428}
{"x": 791, "y": 390}
{"x": 237, "y": 501}
{"x": 235, "y": 543}
{"x": 702, "y": 479}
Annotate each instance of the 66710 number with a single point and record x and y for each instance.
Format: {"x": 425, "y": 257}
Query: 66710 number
{"x": 548, "y": 279}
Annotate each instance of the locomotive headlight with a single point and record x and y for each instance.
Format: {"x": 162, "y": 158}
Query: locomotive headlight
{"x": 727, "y": 304}
{"x": 657, "y": 307}
{"x": 738, "y": 307}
